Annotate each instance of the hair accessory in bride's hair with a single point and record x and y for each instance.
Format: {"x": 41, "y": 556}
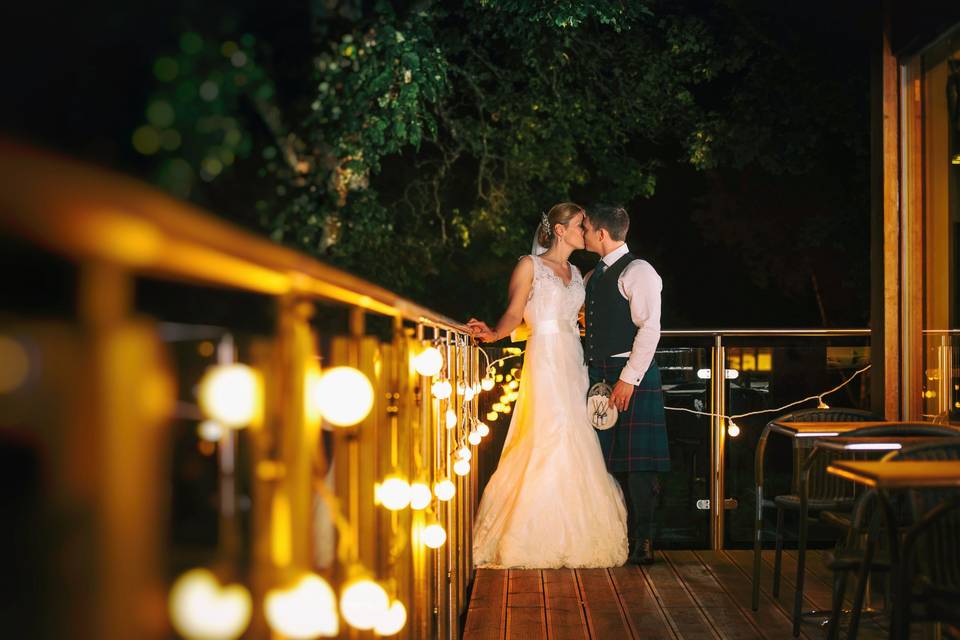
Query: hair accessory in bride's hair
{"x": 545, "y": 221}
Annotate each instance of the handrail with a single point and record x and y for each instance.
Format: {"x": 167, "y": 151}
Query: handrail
{"x": 711, "y": 333}
{"x": 94, "y": 214}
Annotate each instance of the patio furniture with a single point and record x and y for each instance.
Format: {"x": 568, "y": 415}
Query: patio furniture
{"x": 824, "y": 492}
{"x": 860, "y": 552}
{"x": 893, "y": 475}
{"x": 790, "y": 425}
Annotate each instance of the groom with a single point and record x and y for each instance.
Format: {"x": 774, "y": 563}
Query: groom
{"x": 622, "y": 331}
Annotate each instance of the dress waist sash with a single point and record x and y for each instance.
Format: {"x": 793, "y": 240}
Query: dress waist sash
{"x": 549, "y": 327}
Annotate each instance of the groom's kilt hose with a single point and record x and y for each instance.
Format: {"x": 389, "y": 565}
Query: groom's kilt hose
{"x": 638, "y": 442}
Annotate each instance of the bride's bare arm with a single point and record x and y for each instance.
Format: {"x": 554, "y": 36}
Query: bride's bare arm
{"x": 520, "y": 284}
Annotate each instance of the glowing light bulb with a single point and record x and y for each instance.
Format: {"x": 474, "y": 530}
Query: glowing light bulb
{"x": 492, "y": 416}
{"x": 231, "y": 394}
{"x": 733, "y": 430}
{"x": 392, "y": 621}
{"x": 822, "y": 404}
{"x": 461, "y": 388}
{"x": 342, "y": 395}
{"x": 201, "y": 609}
{"x": 434, "y": 535}
{"x": 363, "y": 603}
{"x": 428, "y": 362}
{"x": 487, "y": 383}
{"x": 468, "y": 394}
{"x": 307, "y": 609}
{"x": 451, "y": 419}
{"x": 513, "y": 385}
{"x": 394, "y": 493}
{"x": 461, "y": 467}
{"x": 483, "y": 429}
{"x": 420, "y": 496}
{"x": 474, "y": 438}
{"x": 445, "y": 490}
{"x": 498, "y": 407}
{"x": 441, "y": 389}
{"x": 210, "y": 430}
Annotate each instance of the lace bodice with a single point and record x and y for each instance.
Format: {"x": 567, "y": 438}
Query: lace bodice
{"x": 551, "y": 301}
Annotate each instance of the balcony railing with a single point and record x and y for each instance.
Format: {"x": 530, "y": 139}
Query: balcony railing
{"x": 139, "y": 471}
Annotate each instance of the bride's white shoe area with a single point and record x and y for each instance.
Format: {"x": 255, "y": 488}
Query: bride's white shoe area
{"x": 551, "y": 502}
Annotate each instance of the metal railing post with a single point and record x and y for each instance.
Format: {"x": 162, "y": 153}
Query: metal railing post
{"x": 717, "y": 440}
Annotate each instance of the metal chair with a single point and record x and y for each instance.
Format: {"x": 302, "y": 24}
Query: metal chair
{"x": 862, "y": 552}
{"x": 929, "y": 577}
{"x": 839, "y": 414}
{"x": 824, "y": 492}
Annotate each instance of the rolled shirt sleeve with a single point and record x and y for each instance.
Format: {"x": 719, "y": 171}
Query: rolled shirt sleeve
{"x": 641, "y": 285}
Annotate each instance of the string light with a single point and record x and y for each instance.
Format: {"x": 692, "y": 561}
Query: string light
{"x": 363, "y": 602}
{"x": 420, "y": 496}
{"x": 201, "y": 608}
{"x": 231, "y": 394}
{"x": 392, "y": 620}
{"x": 434, "y": 535}
{"x": 441, "y": 389}
{"x": 444, "y": 490}
{"x": 393, "y": 494}
{"x": 451, "y": 419}
{"x": 733, "y": 430}
{"x": 483, "y": 429}
{"x": 428, "y": 362}
{"x": 342, "y": 395}
{"x": 461, "y": 467}
{"x": 463, "y": 453}
{"x": 487, "y": 383}
{"x": 474, "y": 438}
{"x": 306, "y": 610}
{"x": 210, "y": 430}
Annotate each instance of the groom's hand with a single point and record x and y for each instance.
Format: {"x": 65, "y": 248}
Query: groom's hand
{"x": 620, "y": 397}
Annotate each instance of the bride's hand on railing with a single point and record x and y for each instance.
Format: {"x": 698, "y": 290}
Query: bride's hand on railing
{"x": 481, "y": 331}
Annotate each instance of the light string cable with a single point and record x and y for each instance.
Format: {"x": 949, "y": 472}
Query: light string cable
{"x": 818, "y": 397}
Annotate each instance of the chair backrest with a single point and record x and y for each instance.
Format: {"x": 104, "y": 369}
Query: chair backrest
{"x": 826, "y": 486}
{"x": 833, "y": 414}
{"x": 938, "y": 558}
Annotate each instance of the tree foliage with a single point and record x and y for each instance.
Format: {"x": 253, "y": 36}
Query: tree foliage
{"x": 435, "y": 133}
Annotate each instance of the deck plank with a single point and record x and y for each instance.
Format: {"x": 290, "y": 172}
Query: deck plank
{"x": 773, "y": 621}
{"x": 565, "y": 617}
{"x": 685, "y": 616}
{"x": 605, "y": 617}
{"x": 716, "y": 604}
{"x": 640, "y": 603}
{"x": 526, "y": 615}
{"x": 488, "y": 605}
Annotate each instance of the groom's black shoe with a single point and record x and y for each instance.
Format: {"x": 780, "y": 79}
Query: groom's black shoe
{"x": 644, "y": 552}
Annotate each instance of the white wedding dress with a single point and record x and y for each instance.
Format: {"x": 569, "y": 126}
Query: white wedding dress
{"x": 551, "y": 502}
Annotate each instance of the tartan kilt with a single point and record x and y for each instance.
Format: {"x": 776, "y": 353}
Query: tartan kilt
{"x": 638, "y": 442}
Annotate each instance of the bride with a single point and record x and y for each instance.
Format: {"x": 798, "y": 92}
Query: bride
{"x": 551, "y": 502}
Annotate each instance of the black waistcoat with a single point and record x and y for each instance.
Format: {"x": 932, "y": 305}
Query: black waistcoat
{"x": 610, "y": 329}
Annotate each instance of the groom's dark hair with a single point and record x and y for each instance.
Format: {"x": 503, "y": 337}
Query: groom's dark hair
{"x": 613, "y": 219}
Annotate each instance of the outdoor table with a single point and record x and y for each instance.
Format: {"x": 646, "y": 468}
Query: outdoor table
{"x": 798, "y": 432}
{"x": 890, "y": 476}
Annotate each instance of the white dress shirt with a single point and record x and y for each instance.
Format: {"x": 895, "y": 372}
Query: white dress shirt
{"x": 639, "y": 284}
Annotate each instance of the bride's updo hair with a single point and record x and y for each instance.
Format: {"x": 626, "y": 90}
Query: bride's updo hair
{"x": 559, "y": 214}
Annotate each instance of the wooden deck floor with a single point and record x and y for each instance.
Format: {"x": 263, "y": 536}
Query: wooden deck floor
{"x": 689, "y": 595}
